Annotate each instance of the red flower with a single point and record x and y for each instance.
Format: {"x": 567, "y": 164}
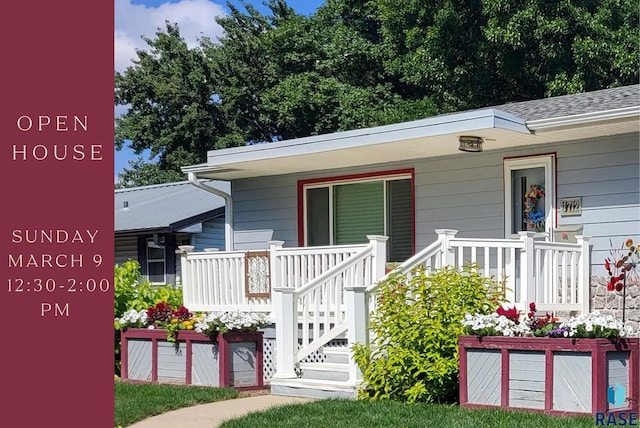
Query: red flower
{"x": 511, "y": 313}
{"x": 182, "y": 314}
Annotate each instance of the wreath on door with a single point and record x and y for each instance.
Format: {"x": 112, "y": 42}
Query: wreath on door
{"x": 534, "y": 215}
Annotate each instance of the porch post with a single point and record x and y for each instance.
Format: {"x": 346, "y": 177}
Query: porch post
{"x": 357, "y": 324}
{"x": 284, "y": 306}
{"x": 186, "y": 277}
{"x": 379, "y": 245}
{"x": 447, "y": 258}
{"x": 584, "y": 276}
{"x": 275, "y": 276}
{"x": 527, "y": 270}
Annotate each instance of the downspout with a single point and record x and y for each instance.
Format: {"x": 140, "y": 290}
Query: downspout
{"x": 228, "y": 210}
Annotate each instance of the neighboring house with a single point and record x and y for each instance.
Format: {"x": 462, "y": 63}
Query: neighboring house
{"x": 536, "y": 192}
{"x": 151, "y": 222}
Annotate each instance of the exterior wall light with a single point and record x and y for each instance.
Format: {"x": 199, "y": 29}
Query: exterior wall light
{"x": 470, "y": 144}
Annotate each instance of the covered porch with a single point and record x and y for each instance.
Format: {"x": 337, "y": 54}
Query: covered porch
{"x": 318, "y": 295}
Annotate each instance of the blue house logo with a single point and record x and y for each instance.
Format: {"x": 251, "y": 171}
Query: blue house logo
{"x": 616, "y": 395}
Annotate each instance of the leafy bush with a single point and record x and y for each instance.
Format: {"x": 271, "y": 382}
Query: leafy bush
{"x": 414, "y": 355}
{"x": 130, "y": 293}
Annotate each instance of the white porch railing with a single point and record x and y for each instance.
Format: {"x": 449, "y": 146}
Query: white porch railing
{"x": 554, "y": 275}
{"x": 320, "y": 293}
{"x": 222, "y": 280}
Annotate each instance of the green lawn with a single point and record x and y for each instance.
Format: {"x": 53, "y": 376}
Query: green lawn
{"x": 383, "y": 414}
{"x": 137, "y": 401}
{"x": 134, "y": 402}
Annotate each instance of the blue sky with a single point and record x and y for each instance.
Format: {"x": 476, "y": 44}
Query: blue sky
{"x": 135, "y": 18}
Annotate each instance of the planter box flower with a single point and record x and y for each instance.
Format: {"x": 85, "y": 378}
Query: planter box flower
{"x": 551, "y": 375}
{"x": 583, "y": 365}
{"x": 234, "y": 359}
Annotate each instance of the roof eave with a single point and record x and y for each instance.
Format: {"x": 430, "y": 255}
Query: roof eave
{"x": 465, "y": 123}
{"x": 585, "y": 119}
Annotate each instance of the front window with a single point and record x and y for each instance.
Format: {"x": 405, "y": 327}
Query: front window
{"x": 345, "y": 211}
{"x": 155, "y": 263}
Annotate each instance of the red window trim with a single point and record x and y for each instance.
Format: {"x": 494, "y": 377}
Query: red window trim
{"x": 356, "y": 177}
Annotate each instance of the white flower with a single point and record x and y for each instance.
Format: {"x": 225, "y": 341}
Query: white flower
{"x": 133, "y": 318}
{"x": 501, "y": 324}
{"x": 595, "y": 319}
{"x": 230, "y": 321}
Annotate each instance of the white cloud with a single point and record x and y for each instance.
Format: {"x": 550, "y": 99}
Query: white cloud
{"x": 195, "y": 19}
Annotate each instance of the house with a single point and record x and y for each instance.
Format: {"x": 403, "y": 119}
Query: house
{"x": 151, "y": 222}
{"x": 535, "y": 192}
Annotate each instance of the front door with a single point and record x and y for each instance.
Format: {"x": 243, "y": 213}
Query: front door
{"x": 529, "y": 195}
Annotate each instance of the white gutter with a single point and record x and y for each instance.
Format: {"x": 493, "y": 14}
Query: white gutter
{"x": 583, "y": 119}
{"x": 228, "y": 209}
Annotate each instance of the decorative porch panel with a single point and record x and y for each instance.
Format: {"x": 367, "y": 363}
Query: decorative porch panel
{"x": 559, "y": 376}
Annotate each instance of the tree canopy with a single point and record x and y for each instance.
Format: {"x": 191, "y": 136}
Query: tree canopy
{"x": 359, "y": 63}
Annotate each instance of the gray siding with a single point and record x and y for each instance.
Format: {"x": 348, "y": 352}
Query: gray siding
{"x": 606, "y": 174}
{"x": 465, "y": 192}
{"x": 126, "y": 248}
{"x": 212, "y": 235}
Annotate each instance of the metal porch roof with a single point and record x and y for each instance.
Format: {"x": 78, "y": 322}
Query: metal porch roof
{"x": 165, "y": 206}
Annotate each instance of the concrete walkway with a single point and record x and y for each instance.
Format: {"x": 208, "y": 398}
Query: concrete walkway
{"x": 211, "y": 415}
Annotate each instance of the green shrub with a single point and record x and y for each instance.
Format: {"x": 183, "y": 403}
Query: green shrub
{"x": 414, "y": 355}
{"x": 130, "y": 292}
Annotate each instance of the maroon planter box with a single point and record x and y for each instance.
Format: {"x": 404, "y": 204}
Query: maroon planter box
{"x": 234, "y": 360}
{"x": 558, "y": 376}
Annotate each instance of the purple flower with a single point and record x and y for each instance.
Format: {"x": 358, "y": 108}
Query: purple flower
{"x": 558, "y": 332}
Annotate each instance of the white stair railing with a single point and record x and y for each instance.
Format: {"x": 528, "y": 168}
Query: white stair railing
{"x": 326, "y": 307}
{"x": 554, "y": 275}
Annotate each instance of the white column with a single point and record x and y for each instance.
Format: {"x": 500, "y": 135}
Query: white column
{"x": 284, "y": 306}
{"x": 527, "y": 270}
{"x": 584, "y": 276}
{"x": 447, "y": 257}
{"x": 357, "y": 325}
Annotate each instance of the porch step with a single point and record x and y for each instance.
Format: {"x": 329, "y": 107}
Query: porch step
{"x": 325, "y": 371}
{"x": 313, "y": 388}
{"x": 336, "y": 354}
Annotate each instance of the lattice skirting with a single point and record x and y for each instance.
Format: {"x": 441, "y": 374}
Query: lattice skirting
{"x": 269, "y": 355}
